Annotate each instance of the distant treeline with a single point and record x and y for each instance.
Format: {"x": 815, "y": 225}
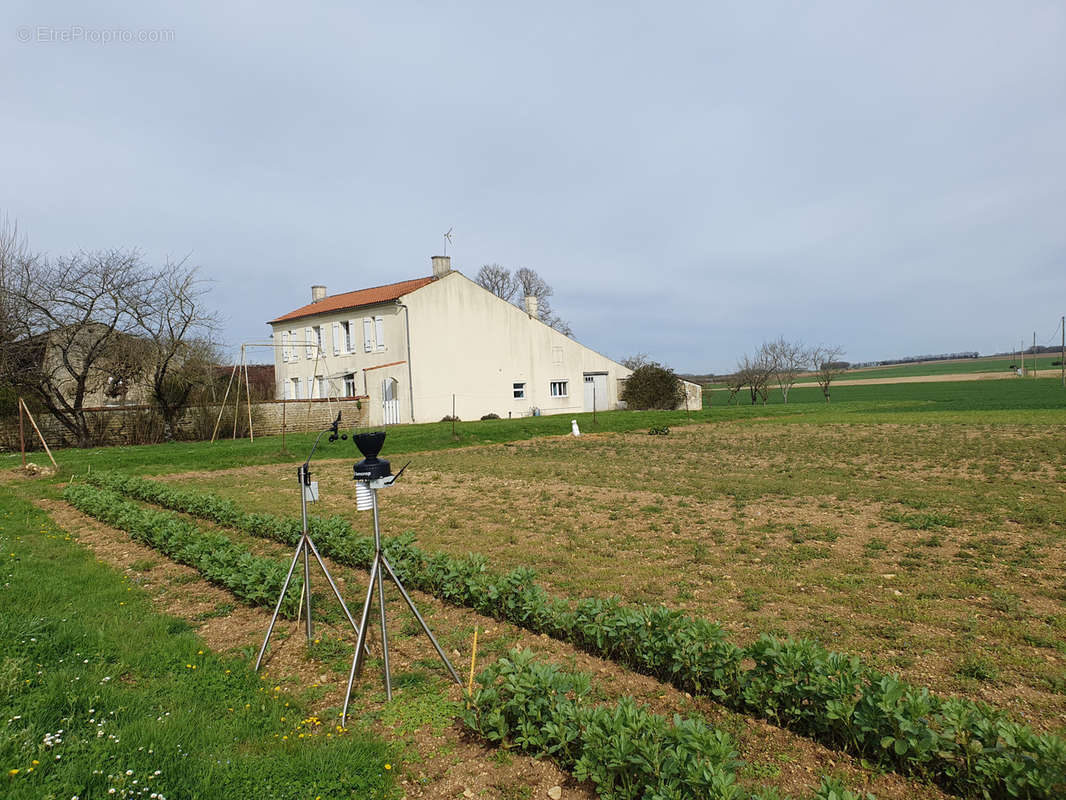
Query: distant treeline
{"x": 888, "y": 362}
{"x": 1038, "y": 350}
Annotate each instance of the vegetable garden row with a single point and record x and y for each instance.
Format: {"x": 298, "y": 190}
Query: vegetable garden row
{"x": 965, "y": 746}
{"x": 626, "y": 751}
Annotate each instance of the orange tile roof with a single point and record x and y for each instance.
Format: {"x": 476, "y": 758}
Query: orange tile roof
{"x": 361, "y": 297}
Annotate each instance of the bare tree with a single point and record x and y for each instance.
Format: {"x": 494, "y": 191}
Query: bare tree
{"x": 635, "y": 361}
{"x": 14, "y": 251}
{"x": 176, "y": 326}
{"x": 498, "y": 280}
{"x": 71, "y": 326}
{"x": 755, "y": 372}
{"x": 825, "y": 362}
{"x": 735, "y": 383}
{"x": 789, "y": 359}
{"x": 515, "y": 288}
{"x": 87, "y": 329}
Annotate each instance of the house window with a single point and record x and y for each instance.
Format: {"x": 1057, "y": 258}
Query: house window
{"x": 349, "y": 385}
{"x": 519, "y": 391}
{"x": 295, "y": 388}
{"x": 379, "y": 330}
{"x": 323, "y": 386}
{"x": 318, "y": 337}
{"x": 559, "y": 388}
{"x": 346, "y": 332}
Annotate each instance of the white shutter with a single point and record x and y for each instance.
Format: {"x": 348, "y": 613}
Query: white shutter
{"x": 379, "y": 329}
{"x": 368, "y": 334}
{"x": 309, "y": 335}
{"x": 288, "y": 390}
{"x": 336, "y": 338}
{"x": 296, "y": 388}
{"x": 284, "y": 345}
{"x": 310, "y": 388}
{"x": 352, "y": 328}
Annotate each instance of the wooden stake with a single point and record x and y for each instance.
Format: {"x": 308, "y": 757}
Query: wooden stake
{"x": 39, "y": 434}
{"x": 225, "y": 397}
{"x": 473, "y": 661}
{"x": 248, "y": 390}
{"x": 237, "y": 404}
{"x": 284, "y": 405}
{"x": 22, "y": 437}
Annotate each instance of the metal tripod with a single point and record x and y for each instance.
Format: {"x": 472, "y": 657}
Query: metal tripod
{"x": 307, "y": 548}
{"x": 380, "y": 566}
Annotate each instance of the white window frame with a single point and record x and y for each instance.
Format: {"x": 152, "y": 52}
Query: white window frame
{"x": 323, "y": 385}
{"x": 519, "y": 390}
{"x": 379, "y": 333}
{"x": 309, "y": 348}
{"x": 368, "y": 334}
{"x": 349, "y": 332}
{"x": 295, "y": 388}
{"x": 285, "y": 346}
{"x": 286, "y": 391}
{"x": 349, "y": 385}
{"x": 564, "y": 385}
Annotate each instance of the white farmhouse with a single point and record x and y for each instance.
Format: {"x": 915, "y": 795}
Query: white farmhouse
{"x": 414, "y": 348}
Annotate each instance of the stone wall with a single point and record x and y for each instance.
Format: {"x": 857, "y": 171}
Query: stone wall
{"x": 116, "y": 425}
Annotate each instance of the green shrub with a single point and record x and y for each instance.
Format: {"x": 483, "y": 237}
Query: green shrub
{"x": 653, "y": 386}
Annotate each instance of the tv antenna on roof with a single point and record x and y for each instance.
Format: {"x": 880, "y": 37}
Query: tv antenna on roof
{"x": 448, "y": 239}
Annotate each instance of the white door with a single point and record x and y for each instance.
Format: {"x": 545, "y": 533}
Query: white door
{"x": 596, "y": 391}
{"x": 390, "y": 402}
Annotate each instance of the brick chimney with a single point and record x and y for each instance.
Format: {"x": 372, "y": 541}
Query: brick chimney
{"x": 532, "y": 306}
{"x": 318, "y": 293}
{"x": 442, "y": 265}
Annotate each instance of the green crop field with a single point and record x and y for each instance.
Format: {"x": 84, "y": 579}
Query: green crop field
{"x": 1044, "y": 361}
{"x": 918, "y": 528}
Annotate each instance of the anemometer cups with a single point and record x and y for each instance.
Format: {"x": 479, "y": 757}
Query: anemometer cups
{"x": 370, "y": 468}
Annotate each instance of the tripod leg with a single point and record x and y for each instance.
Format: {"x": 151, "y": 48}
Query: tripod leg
{"x": 333, "y": 586}
{"x": 307, "y": 592}
{"x": 384, "y": 635}
{"x": 281, "y": 598}
{"x": 422, "y": 622}
{"x": 360, "y": 643}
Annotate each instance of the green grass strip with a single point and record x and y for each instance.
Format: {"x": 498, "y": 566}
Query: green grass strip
{"x": 102, "y": 697}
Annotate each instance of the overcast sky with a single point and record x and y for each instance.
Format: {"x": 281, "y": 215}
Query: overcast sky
{"x": 692, "y": 179}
